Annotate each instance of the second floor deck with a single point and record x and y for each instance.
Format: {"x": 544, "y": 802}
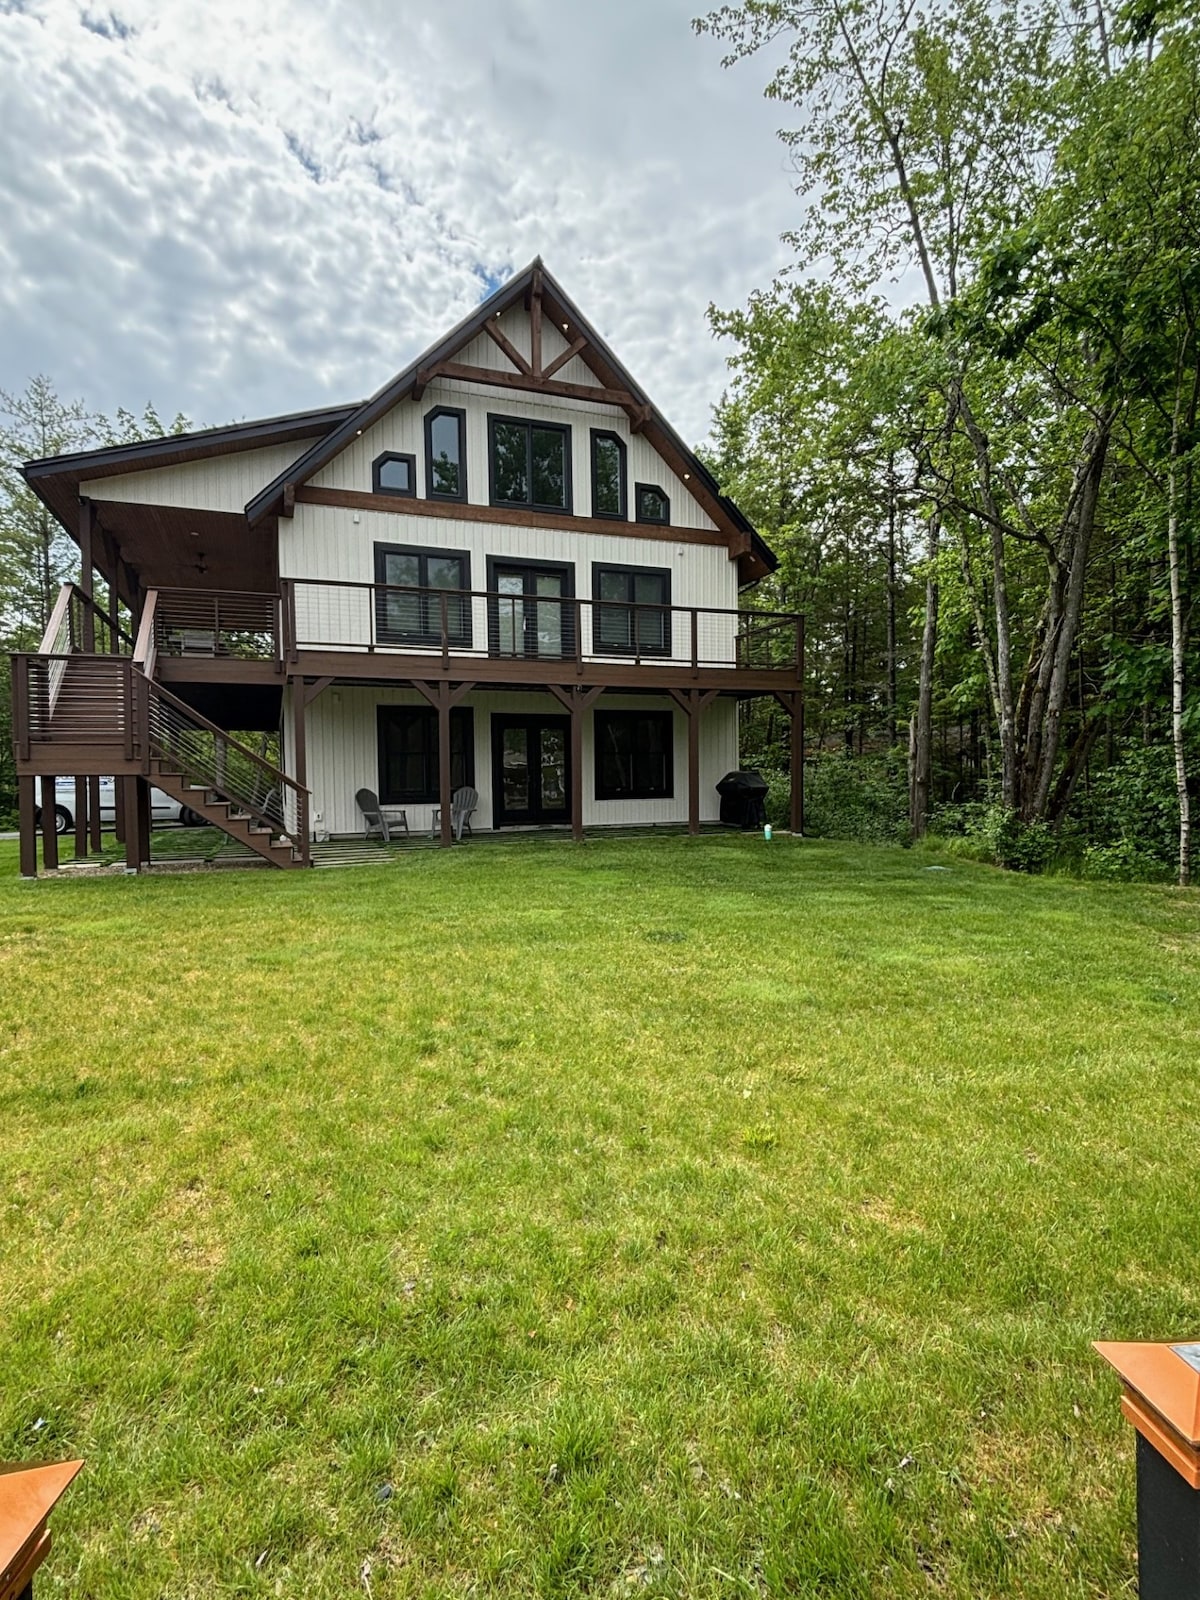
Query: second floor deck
{"x": 388, "y": 631}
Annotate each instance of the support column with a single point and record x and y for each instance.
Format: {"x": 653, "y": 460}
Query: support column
{"x": 143, "y": 819}
{"x": 693, "y": 702}
{"x": 49, "y": 837}
{"x": 114, "y": 646}
{"x": 94, "y": 812}
{"x": 26, "y": 811}
{"x": 87, "y": 528}
{"x": 576, "y": 701}
{"x": 133, "y": 852}
{"x": 443, "y": 698}
{"x": 81, "y": 817}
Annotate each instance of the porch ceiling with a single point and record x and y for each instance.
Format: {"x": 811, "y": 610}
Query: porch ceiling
{"x": 167, "y": 546}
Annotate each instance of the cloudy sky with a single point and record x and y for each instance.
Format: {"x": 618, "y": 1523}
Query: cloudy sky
{"x": 240, "y": 207}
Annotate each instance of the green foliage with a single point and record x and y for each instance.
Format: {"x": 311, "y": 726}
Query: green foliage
{"x": 859, "y": 798}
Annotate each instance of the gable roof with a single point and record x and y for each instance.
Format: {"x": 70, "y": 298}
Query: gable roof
{"x": 755, "y": 558}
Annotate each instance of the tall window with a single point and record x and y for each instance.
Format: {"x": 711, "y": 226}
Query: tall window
{"x": 650, "y": 504}
{"x": 446, "y": 454}
{"x": 608, "y": 475}
{"x": 530, "y": 464}
{"x": 408, "y": 753}
{"x": 394, "y": 473}
{"x": 635, "y": 755}
{"x": 630, "y": 616}
{"x": 411, "y": 612}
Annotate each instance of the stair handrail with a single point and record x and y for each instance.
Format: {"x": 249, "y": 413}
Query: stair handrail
{"x": 298, "y": 835}
{"x": 52, "y": 644}
{"x": 145, "y": 651}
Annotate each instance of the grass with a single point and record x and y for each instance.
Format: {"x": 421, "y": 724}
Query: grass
{"x": 658, "y": 1217}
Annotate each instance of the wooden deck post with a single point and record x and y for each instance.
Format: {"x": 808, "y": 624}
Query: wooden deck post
{"x": 144, "y": 819}
{"x": 445, "y": 792}
{"x": 49, "y": 820}
{"x": 81, "y": 817}
{"x": 26, "y": 811}
{"x": 692, "y": 703}
{"x": 576, "y": 701}
{"x": 133, "y": 850}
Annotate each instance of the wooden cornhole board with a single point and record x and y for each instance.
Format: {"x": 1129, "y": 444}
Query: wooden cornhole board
{"x": 28, "y": 1494}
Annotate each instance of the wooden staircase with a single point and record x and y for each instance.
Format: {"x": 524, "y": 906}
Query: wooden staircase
{"x": 228, "y": 815}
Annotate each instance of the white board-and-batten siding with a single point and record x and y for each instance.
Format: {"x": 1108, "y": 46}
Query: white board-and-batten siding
{"x": 342, "y": 748}
{"x": 403, "y": 429}
{"x": 217, "y": 483}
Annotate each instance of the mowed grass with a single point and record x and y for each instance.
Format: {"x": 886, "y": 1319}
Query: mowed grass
{"x": 660, "y": 1217}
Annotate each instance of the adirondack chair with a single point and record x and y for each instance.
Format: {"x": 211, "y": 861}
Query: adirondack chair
{"x": 462, "y": 803}
{"x": 376, "y": 818}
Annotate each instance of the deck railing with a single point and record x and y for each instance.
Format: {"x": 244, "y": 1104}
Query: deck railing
{"x": 217, "y": 622}
{"x": 325, "y": 614}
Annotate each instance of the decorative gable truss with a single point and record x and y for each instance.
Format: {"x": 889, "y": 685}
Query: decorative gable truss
{"x": 552, "y": 351}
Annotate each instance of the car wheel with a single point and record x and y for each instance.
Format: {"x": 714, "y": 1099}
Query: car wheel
{"x": 189, "y": 819}
{"x": 63, "y": 820}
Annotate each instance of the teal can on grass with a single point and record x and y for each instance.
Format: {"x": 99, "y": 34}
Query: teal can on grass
{"x": 767, "y": 832}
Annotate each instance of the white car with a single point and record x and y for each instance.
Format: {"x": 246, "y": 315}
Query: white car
{"x": 162, "y": 807}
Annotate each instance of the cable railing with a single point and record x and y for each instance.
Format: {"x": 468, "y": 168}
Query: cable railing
{"x": 230, "y": 623}
{"x": 326, "y": 614}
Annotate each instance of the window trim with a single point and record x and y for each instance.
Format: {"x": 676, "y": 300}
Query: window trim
{"x": 621, "y": 515}
{"x": 431, "y": 417}
{"x": 429, "y": 635}
{"x": 599, "y": 717}
{"x": 381, "y": 461}
{"x": 653, "y": 522}
{"x": 601, "y": 649}
{"x": 529, "y": 423}
{"x": 462, "y": 716}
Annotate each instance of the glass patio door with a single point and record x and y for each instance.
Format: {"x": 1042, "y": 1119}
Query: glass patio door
{"x": 531, "y": 778}
{"x": 532, "y": 614}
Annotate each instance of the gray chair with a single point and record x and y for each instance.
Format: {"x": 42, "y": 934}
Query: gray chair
{"x": 462, "y": 803}
{"x": 376, "y": 819}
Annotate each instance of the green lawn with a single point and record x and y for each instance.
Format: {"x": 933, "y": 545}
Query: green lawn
{"x": 655, "y": 1216}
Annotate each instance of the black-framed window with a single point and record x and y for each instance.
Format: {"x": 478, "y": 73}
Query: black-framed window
{"x": 409, "y": 767}
{"x": 446, "y": 453}
{"x": 635, "y": 755}
{"x": 409, "y": 610}
{"x": 650, "y": 504}
{"x": 529, "y": 463}
{"x": 394, "y": 473}
{"x": 609, "y": 491}
{"x": 631, "y": 616}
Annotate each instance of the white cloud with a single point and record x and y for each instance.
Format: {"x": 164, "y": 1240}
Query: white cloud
{"x": 242, "y": 207}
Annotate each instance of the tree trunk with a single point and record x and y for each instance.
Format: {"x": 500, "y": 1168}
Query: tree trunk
{"x": 922, "y": 739}
{"x": 1178, "y": 642}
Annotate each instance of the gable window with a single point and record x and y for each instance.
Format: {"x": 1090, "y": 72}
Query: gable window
{"x": 651, "y": 504}
{"x": 408, "y": 753}
{"x": 446, "y": 454}
{"x": 608, "y": 475}
{"x": 631, "y": 615}
{"x": 635, "y": 755}
{"x": 409, "y": 609}
{"x": 530, "y": 464}
{"x": 393, "y": 473}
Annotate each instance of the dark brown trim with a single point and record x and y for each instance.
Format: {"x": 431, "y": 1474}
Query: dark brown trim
{"x": 381, "y": 461}
{"x": 529, "y": 424}
{"x": 506, "y": 344}
{"x": 357, "y": 500}
{"x": 27, "y": 824}
{"x": 595, "y": 393}
{"x": 431, "y": 417}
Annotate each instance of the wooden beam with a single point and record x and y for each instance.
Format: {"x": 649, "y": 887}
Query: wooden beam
{"x": 535, "y": 321}
{"x": 94, "y": 811}
{"x": 26, "y": 811}
{"x": 87, "y": 570}
{"x": 424, "y": 377}
{"x": 144, "y": 820}
{"x": 448, "y": 511}
{"x": 133, "y": 852}
{"x": 563, "y": 356}
{"x": 539, "y": 384}
{"x": 509, "y": 348}
{"x": 693, "y": 702}
{"x": 288, "y": 508}
{"x": 81, "y": 817}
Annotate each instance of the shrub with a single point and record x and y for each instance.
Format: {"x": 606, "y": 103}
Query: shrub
{"x": 863, "y": 798}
